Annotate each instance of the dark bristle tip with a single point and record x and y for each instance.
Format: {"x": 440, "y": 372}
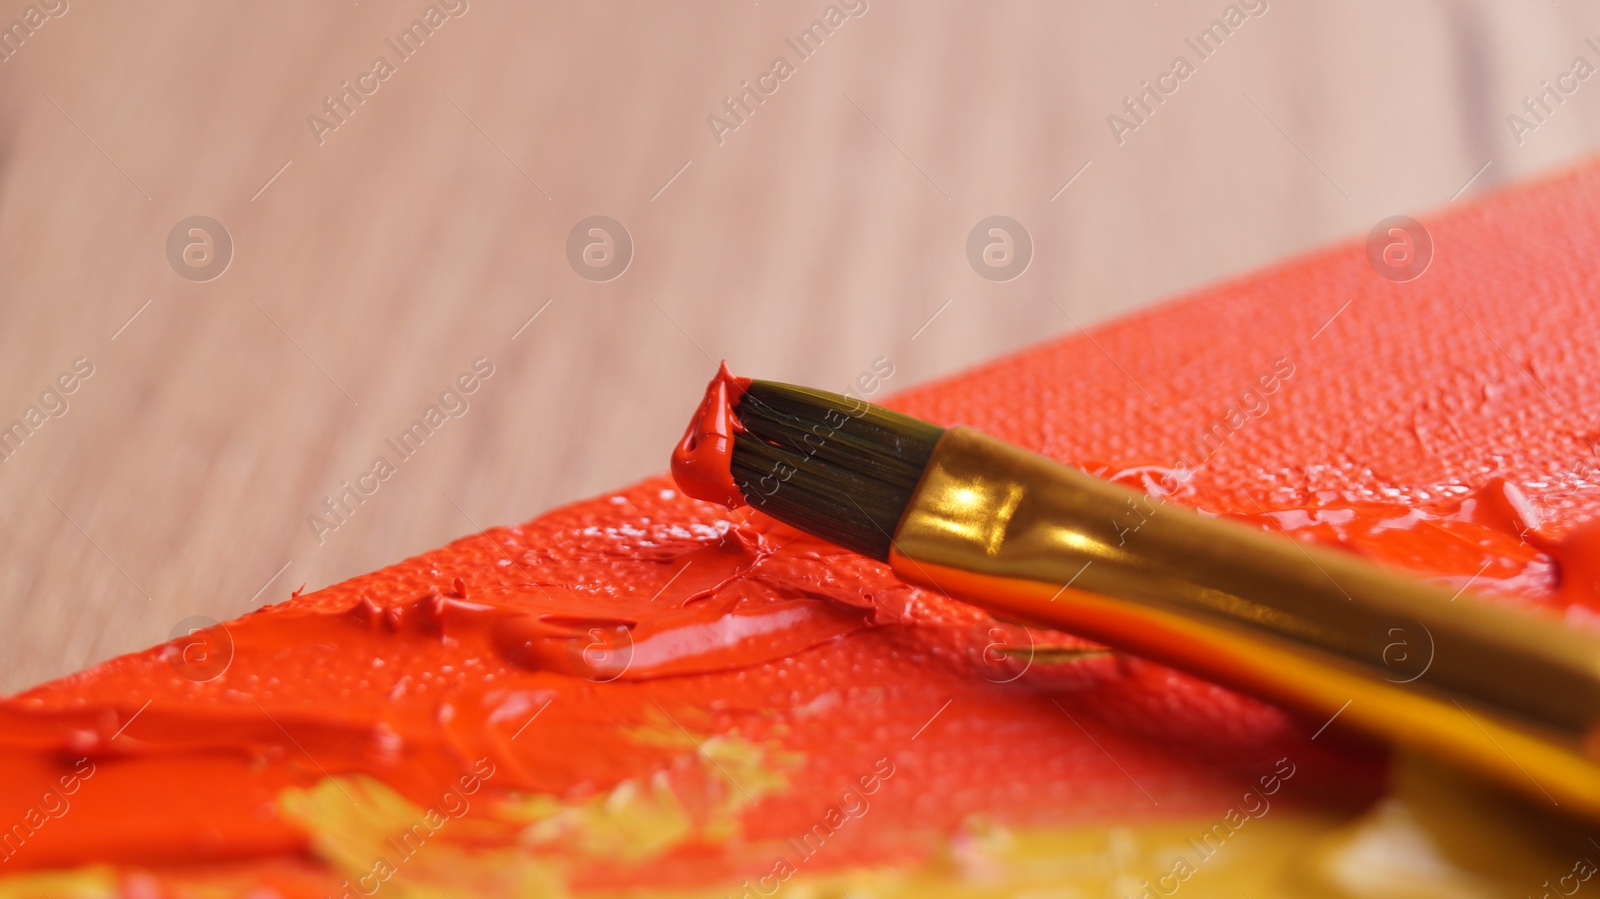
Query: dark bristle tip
{"x": 833, "y": 466}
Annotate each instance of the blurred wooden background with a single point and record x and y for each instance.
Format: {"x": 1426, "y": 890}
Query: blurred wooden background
{"x": 430, "y": 228}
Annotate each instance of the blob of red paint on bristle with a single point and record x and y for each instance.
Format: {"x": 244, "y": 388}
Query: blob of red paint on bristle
{"x": 702, "y": 463}
{"x": 828, "y": 464}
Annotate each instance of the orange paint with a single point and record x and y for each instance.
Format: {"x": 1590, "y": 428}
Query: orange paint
{"x": 609, "y": 651}
{"x": 702, "y": 464}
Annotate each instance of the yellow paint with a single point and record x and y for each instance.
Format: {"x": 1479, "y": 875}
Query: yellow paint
{"x": 1440, "y": 834}
{"x": 89, "y": 882}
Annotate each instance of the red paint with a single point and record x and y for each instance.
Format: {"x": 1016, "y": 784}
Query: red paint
{"x": 702, "y": 462}
{"x": 1578, "y": 571}
{"x": 1404, "y": 434}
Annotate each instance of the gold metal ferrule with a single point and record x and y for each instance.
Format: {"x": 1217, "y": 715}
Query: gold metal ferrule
{"x": 1510, "y": 695}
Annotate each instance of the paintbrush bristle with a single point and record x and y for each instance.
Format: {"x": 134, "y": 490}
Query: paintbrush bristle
{"x": 830, "y": 465}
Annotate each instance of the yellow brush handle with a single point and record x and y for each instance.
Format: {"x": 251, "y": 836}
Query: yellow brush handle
{"x": 1512, "y": 695}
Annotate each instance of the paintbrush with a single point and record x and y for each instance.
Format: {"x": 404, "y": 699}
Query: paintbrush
{"x": 1511, "y": 695}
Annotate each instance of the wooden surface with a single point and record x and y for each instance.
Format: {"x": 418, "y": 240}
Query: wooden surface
{"x": 828, "y": 230}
